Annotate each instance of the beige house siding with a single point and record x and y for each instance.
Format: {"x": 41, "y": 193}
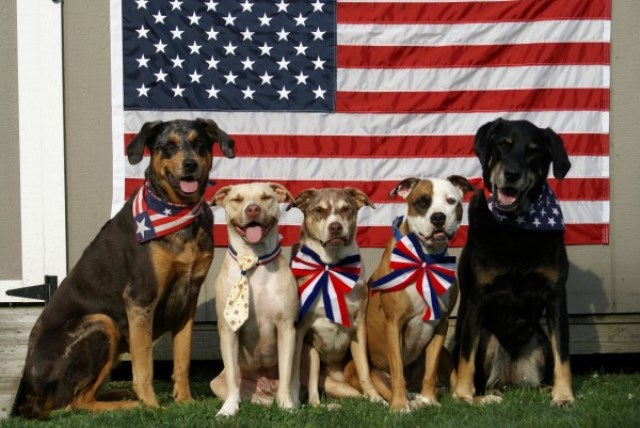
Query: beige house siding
{"x": 10, "y": 258}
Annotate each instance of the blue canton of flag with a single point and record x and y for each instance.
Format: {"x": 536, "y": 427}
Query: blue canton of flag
{"x": 229, "y": 55}
{"x": 543, "y": 214}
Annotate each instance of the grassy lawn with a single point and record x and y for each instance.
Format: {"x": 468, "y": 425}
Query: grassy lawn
{"x": 602, "y": 400}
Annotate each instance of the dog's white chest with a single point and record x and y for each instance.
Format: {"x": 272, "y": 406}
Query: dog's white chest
{"x": 418, "y": 332}
{"x": 273, "y": 301}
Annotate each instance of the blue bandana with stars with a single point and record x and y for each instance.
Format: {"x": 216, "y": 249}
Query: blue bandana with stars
{"x": 543, "y": 214}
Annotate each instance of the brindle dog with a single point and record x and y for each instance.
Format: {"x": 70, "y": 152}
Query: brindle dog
{"x": 125, "y": 290}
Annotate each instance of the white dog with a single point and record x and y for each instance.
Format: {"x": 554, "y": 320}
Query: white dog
{"x": 256, "y": 301}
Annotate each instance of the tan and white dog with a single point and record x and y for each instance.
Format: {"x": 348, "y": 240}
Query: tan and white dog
{"x": 414, "y": 291}
{"x": 256, "y": 301}
{"x": 333, "y": 293}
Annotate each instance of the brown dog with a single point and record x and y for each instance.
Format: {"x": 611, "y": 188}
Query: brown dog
{"x": 256, "y": 301}
{"x": 414, "y": 291}
{"x": 138, "y": 279}
{"x": 334, "y": 294}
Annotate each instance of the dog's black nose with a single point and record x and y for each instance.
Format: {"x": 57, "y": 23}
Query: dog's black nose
{"x": 512, "y": 175}
{"x": 438, "y": 219}
{"x": 189, "y": 165}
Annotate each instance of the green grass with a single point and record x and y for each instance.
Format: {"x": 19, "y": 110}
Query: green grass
{"x": 602, "y": 400}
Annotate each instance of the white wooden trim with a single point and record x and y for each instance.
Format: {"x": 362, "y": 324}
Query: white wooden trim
{"x": 41, "y": 127}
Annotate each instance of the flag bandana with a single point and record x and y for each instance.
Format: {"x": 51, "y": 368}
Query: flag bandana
{"x": 333, "y": 280}
{"x": 543, "y": 214}
{"x": 432, "y": 274}
{"x": 154, "y": 217}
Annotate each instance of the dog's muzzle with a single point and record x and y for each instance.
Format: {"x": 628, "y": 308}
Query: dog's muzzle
{"x": 187, "y": 185}
{"x": 253, "y": 232}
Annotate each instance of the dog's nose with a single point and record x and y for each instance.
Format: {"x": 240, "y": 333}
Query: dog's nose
{"x": 512, "y": 175}
{"x": 189, "y": 165}
{"x": 335, "y": 228}
{"x": 252, "y": 211}
{"x": 438, "y": 219}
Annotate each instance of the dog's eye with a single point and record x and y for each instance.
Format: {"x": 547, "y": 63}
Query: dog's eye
{"x": 266, "y": 197}
{"x": 346, "y": 210}
{"x": 452, "y": 201}
{"x": 237, "y": 199}
{"x": 199, "y": 146}
{"x": 318, "y": 210}
{"x": 422, "y": 203}
{"x": 504, "y": 145}
{"x": 169, "y": 149}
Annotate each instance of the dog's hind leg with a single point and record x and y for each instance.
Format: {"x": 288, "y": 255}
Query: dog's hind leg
{"x": 90, "y": 358}
{"x": 335, "y": 385}
{"x": 310, "y": 371}
{"x": 428, "y": 393}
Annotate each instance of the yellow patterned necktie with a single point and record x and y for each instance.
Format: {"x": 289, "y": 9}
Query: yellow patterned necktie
{"x": 236, "y": 310}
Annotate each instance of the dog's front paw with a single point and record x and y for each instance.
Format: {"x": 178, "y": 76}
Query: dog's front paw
{"x": 399, "y": 406}
{"x": 462, "y": 395}
{"x": 419, "y": 401}
{"x": 488, "y": 399}
{"x": 181, "y": 395}
{"x": 229, "y": 408}
{"x": 562, "y": 400}
{"x": 374, "y": 397}
{"x": 285, "y": 402}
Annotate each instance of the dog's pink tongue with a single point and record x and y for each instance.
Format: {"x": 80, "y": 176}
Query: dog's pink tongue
{"x": 505, "y": 199}
{"x": 253, "y": 234}
{"x": 188, "y": 186}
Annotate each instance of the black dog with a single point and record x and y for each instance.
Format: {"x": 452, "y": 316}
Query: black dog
{"x": 514, "y": 267}
{"x": 139, "y": 278}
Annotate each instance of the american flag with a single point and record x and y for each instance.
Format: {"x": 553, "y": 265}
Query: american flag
{"x": 321, "y": 93}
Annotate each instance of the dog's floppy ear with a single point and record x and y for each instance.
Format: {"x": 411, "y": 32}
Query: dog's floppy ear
{"x": 302, "y": 200}
{"x": 220, "y": 196}
{"x": 360, "y": 197}
{"x": 461, "y": 183}
{"x": 482, "y": 138}
{"x": 404, "y": 187}
{"x": 145, "y": 137}
{"x": 559, "y": 157}
{"x": 216, "y": 134}
{"x": 282, "y": 194}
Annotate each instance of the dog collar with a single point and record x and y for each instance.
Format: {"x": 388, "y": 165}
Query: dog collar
{"x": 395, "y": 225}
{"x": 543, "y": 214}
{"x": 262, "y": 260}
{"x": 155, "y": 217}
{"x": 431, "y": 274}
{"x": 334, "y": 280}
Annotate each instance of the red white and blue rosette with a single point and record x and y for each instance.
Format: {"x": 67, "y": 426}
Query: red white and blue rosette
{"x": 431, "y": 274}
{"x": 334, "y": 281}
